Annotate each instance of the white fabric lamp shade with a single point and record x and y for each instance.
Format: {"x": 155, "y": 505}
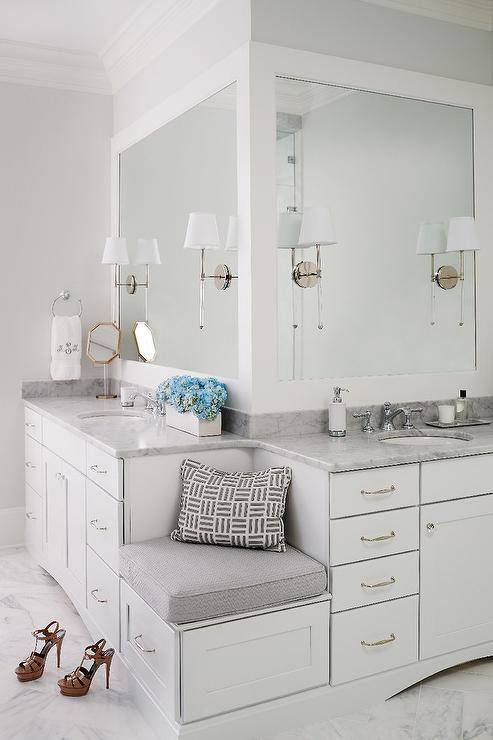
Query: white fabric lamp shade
{"x": 202, "y": 232}
{"x": 316, "y": 228}
{"x": 462, "y": 234}
{"x": 147, "y": 252}
{"x": 288, "y": 230}
{"x": 232, "y": 235}
{"x": 115, "y": 251}
{"x": 432, "y": 238}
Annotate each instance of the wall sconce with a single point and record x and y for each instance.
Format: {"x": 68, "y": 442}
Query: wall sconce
{"x": 202, "y": 233}
{"x": 147, "y": 254}
{"x": 462, "y": 237}
{"x": 288, "y": 236}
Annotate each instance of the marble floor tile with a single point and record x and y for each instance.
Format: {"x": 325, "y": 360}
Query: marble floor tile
{"x": 439, "y": 715}
{"x": 477, "y": 722}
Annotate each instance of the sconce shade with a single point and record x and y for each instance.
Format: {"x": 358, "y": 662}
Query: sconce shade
{"x": 232, "y": 236}
{"x": 147, "y": 252}
{"x": 202, "y": 232}
{"x": 462, "y": 234}
{"x": 288, "y": 230}
{"x": 115, "y": 251}
{"x": 431, "y": 238}
{"x": 316, "y": 228}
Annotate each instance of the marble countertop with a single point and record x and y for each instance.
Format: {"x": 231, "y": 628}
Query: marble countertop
{"x": 136, "y": 437}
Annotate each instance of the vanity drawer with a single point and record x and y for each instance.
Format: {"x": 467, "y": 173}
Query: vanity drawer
{"x": 33, "y": 456}
{"x": 34, "y": 523}
{"x": 66, "y": 445}
{"x": 372, "y": 581}
{"x": 33, "y": 424}
{"x": 373, "y": 535}
{"x": 103, "y": 597}
{"x": 443, "y": 480}
{"x": 378, "y": 489}
{"x": 105, "y": 470}
{"x": 373, "y": 639}
{"x": 104, "y": 516}
{"x": 150, "y": 646}
{"x": 246, "y": 661}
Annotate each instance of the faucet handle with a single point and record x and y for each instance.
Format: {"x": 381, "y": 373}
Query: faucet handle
{"x": 366, "y": 426}
{"x": 408, "y": 414}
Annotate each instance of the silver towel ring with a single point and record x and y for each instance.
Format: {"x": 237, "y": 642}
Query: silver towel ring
{"x": 64, "y": 296}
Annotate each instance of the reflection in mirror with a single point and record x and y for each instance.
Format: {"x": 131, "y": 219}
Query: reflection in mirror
{"x": 360, "y": 173}
{"x": 186, "y": 166}
{"x": 144, "y": 340}
{"x": 103, "y": 342}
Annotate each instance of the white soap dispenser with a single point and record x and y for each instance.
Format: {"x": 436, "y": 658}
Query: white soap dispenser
{"x": 337, "y": 414}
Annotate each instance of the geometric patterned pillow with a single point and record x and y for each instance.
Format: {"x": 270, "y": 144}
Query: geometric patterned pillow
{"x": 235, "y": 509}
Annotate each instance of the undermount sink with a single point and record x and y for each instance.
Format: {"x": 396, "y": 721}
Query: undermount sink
{"x": 415, "y": 439}
{"x": 115, "y": 416}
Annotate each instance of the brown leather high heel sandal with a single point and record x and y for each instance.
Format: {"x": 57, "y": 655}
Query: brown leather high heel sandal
{"x": 79, "y": 681}
{"x": 33, "y": 667}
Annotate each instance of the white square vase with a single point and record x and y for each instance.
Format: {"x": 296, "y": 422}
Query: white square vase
{"x": 188, "y": 422}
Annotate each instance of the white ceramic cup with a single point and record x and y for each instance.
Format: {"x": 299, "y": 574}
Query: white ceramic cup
{"x": 446, "y": 413}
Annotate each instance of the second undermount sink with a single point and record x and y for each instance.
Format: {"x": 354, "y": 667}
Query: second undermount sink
{"x": 115, "y": 416}
{"x": 416, "y": 438}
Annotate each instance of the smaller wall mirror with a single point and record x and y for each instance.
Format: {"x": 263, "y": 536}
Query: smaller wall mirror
{"x": 144, "y": 339}
{"x": 103, "y": 342}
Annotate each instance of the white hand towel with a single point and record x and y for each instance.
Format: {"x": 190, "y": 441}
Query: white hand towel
{"x": 66, "y": 339}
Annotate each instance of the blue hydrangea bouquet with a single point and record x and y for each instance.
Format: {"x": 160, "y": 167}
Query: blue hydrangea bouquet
{"x": 193, "y": 404}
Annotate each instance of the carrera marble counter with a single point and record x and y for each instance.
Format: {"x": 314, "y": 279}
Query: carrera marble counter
{"x": 150, "y": 436}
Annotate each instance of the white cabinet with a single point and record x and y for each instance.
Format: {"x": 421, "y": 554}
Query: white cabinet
{"x": 34, "y": 523}
{"x": 76, "y": 533}
{"x": 55, "y": 513}
{"x": 456, "y": 575}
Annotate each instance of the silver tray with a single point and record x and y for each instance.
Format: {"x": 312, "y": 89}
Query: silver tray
{"x": 456, "y": 424}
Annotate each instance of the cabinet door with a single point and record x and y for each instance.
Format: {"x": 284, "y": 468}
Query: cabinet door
{"x": 456, "y": 574}
{"x": 76, "y": 533}
{"x": 55, "y": 513}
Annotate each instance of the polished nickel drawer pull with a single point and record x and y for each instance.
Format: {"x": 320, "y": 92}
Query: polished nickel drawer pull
{"x": 96, "y": 470}
{"x": 100, "y": 601}
{"x": 30, "y": 515}
{"x": 29, "y": 425}
{"x": 141, "y": 647}
{"x": 94, "y": 523}
{"x": 391, "y": 638}
{"x": 381, "y": 538}
{"x": 29, "y": 464}
{"x": 380, "y": 492}
{"x": 390, "y": 582}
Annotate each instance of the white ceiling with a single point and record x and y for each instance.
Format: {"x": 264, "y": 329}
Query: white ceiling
{"x": 77, "y": 25}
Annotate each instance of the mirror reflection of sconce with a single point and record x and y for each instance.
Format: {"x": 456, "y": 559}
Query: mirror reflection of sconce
{"x": 202, "y": 233}
{"x": 462, "y": 237}
{"x": 116, "y": 254}
{"x": 144, "y": 339}
{"x": 313, "y": 228}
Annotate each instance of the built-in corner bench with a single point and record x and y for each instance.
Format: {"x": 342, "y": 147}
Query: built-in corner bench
{"x": 222, "y": 643}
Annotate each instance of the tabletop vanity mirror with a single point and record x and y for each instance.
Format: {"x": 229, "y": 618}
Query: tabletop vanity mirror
{"x": 369, "y": 191}
{"x": 103, "y": 346}
{"x": 185, "y": 168}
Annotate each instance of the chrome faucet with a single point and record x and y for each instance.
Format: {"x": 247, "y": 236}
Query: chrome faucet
{"x": 389, "y": 415}
{"x": 156, "y": 407}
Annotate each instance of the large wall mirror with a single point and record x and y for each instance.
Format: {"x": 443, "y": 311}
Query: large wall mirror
{"x": 377, "y": 180}
{"x": 187, "y": 166}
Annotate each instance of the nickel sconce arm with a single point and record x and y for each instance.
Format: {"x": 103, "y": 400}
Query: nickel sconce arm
{"x": 222, "y": 280}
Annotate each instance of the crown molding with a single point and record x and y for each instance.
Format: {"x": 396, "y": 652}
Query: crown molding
{"x": 473, "y": 13}
{"x": 148, "y": 34}
{"x": 43, "y": 66}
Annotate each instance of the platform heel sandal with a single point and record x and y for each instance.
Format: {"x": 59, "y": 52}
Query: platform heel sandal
{"x": 79, "y": 681}
{"x": 33, "y": 667}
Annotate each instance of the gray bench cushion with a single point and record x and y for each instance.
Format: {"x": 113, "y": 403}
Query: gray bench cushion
{"x": 189, "y": 582}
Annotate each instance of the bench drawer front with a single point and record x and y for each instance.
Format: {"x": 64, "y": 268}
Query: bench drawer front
{"x": 104, "y": 524}
{"x": 103, "y": 597}
{"x": 150, "y": 646}
{"x": 373, "y": 581}
{"x": 34, "y": 523}
{"x": 373, "y": 535}
{"x": 33, "y": 424}
{"x": 365, "y": 491}
{"x": 373, "y": 639}
{"x": 105, "y": 470}
{"x": 34, "y": 464}
{"x": 247, "y": 661}
{"x": 66, "y": 445}
{"x": 443, "y": 480}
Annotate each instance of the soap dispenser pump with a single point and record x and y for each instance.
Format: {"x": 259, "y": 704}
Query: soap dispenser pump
{"x": 337, "y": 413}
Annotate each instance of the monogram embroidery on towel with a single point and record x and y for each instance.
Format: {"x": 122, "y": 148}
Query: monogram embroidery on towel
{"x": 68, "y": 348}
{"x": 235, "y": 509}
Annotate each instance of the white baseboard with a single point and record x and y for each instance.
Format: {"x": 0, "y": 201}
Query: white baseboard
{"x": 12, "y": 526}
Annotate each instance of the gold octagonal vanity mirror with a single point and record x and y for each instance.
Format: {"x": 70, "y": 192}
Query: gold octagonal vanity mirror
{"x": 377, "y": 180}
{"x": 103, "y": 342}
